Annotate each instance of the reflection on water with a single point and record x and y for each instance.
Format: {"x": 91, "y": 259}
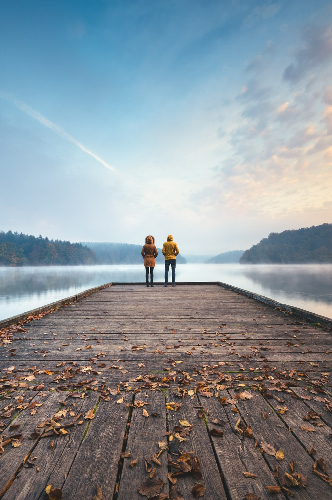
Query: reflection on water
{"x": 305, "y": 286}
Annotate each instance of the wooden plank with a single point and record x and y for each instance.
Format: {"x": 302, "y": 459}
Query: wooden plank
{"x": 295, "y": 418}
{"x": 96, "y": 462}
{"x": 320, "y": 403}
{"x": 53, "y": 457}
{"x": 144, "y": 434}
{"x": 11, "y": 460}
{"x": 198, "y": 443}
{"x": 237, "y": 454}
{"x": 274, "y": 432}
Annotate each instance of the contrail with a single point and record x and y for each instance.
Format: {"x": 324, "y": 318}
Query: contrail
{"x": 52, "y": 126}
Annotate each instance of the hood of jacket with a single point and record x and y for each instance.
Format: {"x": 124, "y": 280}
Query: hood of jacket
{"x": 169, "y": 237}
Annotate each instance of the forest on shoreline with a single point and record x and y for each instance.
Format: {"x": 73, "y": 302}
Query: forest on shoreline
{"x": 301, "y": 246}
{"x": 26, "y": 250}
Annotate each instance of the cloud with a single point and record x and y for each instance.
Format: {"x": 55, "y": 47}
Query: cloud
{"x": 263, "y": 12}
{"x": 328, "y": 95}
{"x": 52, "y": 126}
{"x": 316, "y": 51}
{"x": 260, "y": 62}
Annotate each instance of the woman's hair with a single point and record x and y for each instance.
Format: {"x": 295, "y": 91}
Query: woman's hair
{"x": 152, "y": 237}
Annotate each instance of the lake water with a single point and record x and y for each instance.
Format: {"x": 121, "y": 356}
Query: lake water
{"x": 306, "y": 286}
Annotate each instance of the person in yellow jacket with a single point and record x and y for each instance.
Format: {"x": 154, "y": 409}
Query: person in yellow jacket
{"x": 170, "y": 251}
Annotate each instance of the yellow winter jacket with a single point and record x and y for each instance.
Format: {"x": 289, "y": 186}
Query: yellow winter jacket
{"x": 170, "y": 249}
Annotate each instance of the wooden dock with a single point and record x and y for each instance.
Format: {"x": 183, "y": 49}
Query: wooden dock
{"x": 162, "y": 393}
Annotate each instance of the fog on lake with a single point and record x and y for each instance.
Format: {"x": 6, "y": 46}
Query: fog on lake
{"x": 306, "y": 286}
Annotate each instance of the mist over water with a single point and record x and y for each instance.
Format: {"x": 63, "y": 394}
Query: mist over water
{"x": 306, "y": 286}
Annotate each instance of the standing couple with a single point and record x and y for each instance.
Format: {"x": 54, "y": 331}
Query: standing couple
{"x": 149, "y": 253}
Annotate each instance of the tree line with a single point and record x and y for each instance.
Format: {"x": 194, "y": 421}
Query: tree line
{"x": 301, "y": 246}
{"x": 26, "y": 250}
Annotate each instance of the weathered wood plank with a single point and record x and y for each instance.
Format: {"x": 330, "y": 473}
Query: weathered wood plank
{"x": 11, "y": 461}
{"x": 236, "y": 452}
{"x": 96, "y": 462}
{"x": 145, "y": 433}
{"x": 273, "y": 432}
{"x": 198, "y": 443}
{"x": 53, "y": 457}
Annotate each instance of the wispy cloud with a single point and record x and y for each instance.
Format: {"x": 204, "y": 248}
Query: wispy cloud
{"x": 316, "y": 51}
{"x": 52, "y": 126}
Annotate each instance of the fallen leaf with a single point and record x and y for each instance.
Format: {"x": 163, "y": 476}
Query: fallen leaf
{"x": 145, "y": 413}
{"x": 280, "y": 455}
{"x": 251, "y": 496}
{"x": 307, "y": 428}
{"x": 250, "y": 475}
{"x": 120, "y": 400}
{"x": 151, "y": 487}
{"x": 218, "y": 421}
{"x": 134, "y": 462}
{"x": 99, "y": 494}
{"x": 216, "y": 433}
{"x": 53, "y": 493}
{"x": 198, "y": 490}
{"x": 267, "y": 448}
{"x": 175, "y": 493}
{"x": 89, "y": 415}
{"x": 184, "y": 423}
{"x": 274, "y": 490}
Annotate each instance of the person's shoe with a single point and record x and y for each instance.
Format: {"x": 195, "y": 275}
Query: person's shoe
{"x": 152, "y": 284}
{"x": 173, "y": 284}
{"x": 147, "y": 284}
{"x": 165, "y": 284}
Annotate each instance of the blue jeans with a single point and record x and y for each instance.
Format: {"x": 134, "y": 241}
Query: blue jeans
{"x": 170, "y": 262}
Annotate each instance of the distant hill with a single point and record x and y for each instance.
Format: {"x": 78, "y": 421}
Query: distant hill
{"x": 26, "y": 250}
{"x": 123, "y": 253}
{"x": 300, "y": 246}
{"x": 231, "y": 257}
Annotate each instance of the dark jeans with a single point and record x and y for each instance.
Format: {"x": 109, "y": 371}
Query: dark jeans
{"x": 170, "y": 262}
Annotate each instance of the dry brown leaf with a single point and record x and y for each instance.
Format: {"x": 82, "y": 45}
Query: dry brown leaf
{"x": 308, "y": 428}
{"x": 89, "y": 415}
{"x": 145, "y": 413}
{"x": 151, "y": 487}
{"x": 250, "y": 475}
{"x": 274, "y": 490}
{"x": 120, "y": 400}
{"x": 251, "y": 496}
{"x": 134, "y": 462}
{"x": 198, "y": 490}
{"x": 175, "y": 493}
{"x": 171, "y": 478}
{"x": 267, "y": 448}
{"x": 53, "y": 493}
{"x": 216, "y": 433}
{"x": 99, "y": 494}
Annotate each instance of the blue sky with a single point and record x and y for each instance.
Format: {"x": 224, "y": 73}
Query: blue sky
{"x": 210, "y": 120}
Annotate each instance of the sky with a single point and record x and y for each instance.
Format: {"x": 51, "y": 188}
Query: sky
{"x": 208, "y": 120}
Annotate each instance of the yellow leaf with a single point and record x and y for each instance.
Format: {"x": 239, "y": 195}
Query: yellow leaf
{"x": 184, "y": 423}
{"x": 120, "y": 400}
{"x": 280, "y": 455}
{"x": 48, "y": 489}
{"x": 145, "y": 413}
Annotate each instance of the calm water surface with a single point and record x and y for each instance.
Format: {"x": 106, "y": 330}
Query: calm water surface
{"x": 305, "y": 286}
